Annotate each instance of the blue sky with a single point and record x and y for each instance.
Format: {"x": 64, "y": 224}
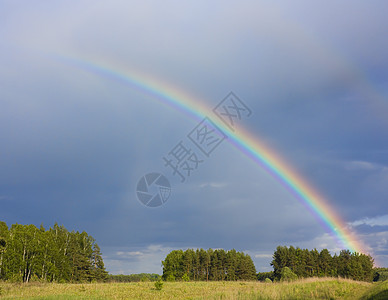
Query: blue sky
{"x": 75, "y": 143}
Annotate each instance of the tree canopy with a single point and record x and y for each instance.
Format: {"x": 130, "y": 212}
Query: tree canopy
{"x": 208, "y": 264}
{"x": 312, "y": 263}
{"x": 28, "y": 252}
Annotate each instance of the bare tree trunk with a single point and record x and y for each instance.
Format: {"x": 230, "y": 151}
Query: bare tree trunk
{"x": 28, "y": 275}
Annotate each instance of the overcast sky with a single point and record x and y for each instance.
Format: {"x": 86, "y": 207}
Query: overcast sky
{"x": 74, "y": 143}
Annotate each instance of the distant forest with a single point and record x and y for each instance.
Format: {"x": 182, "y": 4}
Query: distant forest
{"x": 208, "y": 264}
{"x": 133, "y": 277}
{"x": 30, "y": 253}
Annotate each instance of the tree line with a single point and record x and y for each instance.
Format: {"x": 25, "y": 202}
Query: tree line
{"x": 312, "y": 263}
{"x": 133, "y": 277}
{"x": 208, "y": 265}
{"x": 30, "y": 253}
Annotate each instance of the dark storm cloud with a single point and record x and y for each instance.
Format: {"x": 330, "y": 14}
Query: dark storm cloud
{"x": 75, "y": 143}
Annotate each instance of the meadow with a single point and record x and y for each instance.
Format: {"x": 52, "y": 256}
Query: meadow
{"x": 313, "y": 288}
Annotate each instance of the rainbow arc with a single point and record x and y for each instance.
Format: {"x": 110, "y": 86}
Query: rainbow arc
{"x": 242, "y": 139}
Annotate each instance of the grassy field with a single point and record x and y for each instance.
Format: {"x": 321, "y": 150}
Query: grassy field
{"x": 302, "y": 289}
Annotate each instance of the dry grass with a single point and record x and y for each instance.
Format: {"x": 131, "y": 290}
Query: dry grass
{"x": 313, "y": 288}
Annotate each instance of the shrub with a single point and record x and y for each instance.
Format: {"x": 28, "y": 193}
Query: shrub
{"x": 158, "y": 284}
{"x": 261, "y": 276}
{"x": 287, "y": 275}
{"x": 185, "y": 277}
{"x": 267, "y": 280}
{"x": 171, "y": 277}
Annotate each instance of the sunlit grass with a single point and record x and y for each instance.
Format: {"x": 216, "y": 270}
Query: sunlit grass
{"x": 323, "y": 288}
{"x": 379, "y": 291}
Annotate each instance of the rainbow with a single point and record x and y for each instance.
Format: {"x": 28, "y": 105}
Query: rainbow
{"x": 243, "y": 140}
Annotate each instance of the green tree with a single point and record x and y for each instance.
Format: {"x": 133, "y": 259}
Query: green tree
{"x": 231, "y": 265}
{"x": 325, "y": 262}
{"x": 279, "y": 260}
{"x": 173, "y": 265}
{"x": 305, "y": 263}
{"x": 245, "y": 268}
{"x": 209, "y": 265}
{"x": 81, "y": 253}
{"x": 214, "y": 264}
{"x": 98, "y": 269}
{"x": 28, "y": 253}
{"x": 4, "y": 236}
{"x": 343, "y": 263}
{"x": 22, "y": 252}
{"x": 204, "y": 261}
{"x": 188, "y": 262}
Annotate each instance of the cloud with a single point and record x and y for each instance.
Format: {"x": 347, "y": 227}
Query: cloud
{"x": 129, "y": 253}
{"x": 375, "y": 221}
{"x": 216, "y": 185}
{"x": 263, "y": 255}
{"x": 364, "y": 166}
{"x": 132, "y": 260}
{"x": 378, "y": 246}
